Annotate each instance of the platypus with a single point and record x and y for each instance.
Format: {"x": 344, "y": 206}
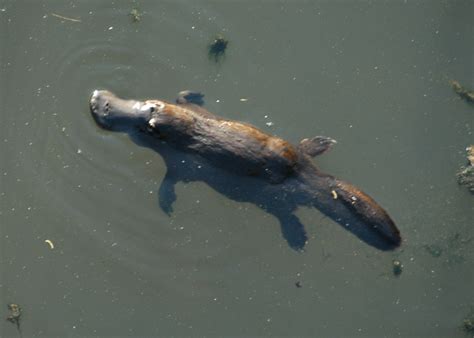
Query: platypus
{"x": 244, "y": 163}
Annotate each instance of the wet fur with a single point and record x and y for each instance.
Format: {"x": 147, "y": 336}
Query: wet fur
{"x": 228, "y": 144}
{"x": 248, "y": 165}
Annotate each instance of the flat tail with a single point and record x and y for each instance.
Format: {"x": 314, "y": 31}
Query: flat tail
{"x": 368, "y": 210}
{"x": 353, "y": 209}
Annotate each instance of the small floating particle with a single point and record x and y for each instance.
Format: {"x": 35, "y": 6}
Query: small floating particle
{"x": 79, "y": 151}
{"x": 434, "y": 250}
{"x": 334, "y": 194}
{"x": 269, "y": 124}
{"x": 110, "y": 28}
{"x": 135, "y": 14}
{"x": 397, "y": 267}
{"x": 243, "y": 100}
{"x": 51, "y": 245}
{"x": 65, "y": 17}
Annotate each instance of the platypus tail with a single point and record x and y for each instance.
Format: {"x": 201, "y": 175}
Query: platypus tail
{"x": 368, "y": 210}
{"x": 352, "y": 208}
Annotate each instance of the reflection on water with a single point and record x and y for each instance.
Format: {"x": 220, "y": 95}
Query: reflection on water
{"x": 372, "y": 75}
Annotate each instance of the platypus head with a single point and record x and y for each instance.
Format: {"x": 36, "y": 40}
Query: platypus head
{"x": 113, "y": 113}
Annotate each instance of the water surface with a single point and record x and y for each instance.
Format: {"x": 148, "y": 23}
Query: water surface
{"x": 371, "y": 74}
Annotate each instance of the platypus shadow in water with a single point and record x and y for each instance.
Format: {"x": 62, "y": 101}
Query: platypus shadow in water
{"x": 245, "y": 164}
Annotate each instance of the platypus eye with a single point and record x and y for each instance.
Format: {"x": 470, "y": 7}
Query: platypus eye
{"x": 152, "y": 109}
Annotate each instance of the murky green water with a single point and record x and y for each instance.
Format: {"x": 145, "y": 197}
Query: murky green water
{"x": 373, "y": 75}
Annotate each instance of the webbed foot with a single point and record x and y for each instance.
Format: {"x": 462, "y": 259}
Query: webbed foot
{"x": 316, "y": 145}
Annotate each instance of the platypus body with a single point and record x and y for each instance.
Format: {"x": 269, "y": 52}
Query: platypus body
{"x": 245, "y": 164}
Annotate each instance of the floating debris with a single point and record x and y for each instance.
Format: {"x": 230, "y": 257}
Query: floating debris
{"x": 468, "y": 323}
{"x": 50, "y": 243}
{"x": 463, "y": 93}
{"x": 397, "y": 268}
{"x": 466, "y": 175}
{"x": 15, "y": 315}
{"x": 65, "y": 18}
{"x": 470, "y": 155}
{"x": 217, "y": 48}
{"x": 135, "y": 14}
{"x": 298, "y": 284}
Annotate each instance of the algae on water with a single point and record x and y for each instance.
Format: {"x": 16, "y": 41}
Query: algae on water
{"x": 135, "y": 14}
{"x": 466, "y": 175}
{"x": 217, "y": 48}
{"x": 463, "y": 93}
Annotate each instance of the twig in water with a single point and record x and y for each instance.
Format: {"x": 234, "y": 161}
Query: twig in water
{"x": 65, "y": 18}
